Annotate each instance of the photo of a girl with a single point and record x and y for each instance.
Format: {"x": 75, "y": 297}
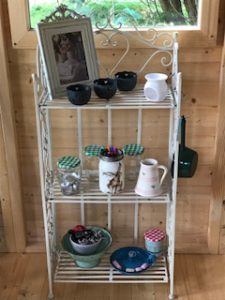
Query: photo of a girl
{"x": 70, "y": 57}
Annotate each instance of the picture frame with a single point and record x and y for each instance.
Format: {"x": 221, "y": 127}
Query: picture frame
{"x": 68, "y": 53}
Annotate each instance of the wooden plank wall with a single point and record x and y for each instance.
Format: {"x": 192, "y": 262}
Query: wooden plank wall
{"x": 200, "y": 68}
{"x": 10, "y": 185}
{"x": 219, "y": 190}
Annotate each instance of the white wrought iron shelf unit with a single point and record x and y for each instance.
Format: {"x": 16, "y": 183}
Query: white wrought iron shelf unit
{"x": 61, "y": 268}
{"x": 64, "y": 269}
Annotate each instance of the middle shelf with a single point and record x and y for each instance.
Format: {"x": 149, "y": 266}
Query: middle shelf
{"x": 90, "y": 193}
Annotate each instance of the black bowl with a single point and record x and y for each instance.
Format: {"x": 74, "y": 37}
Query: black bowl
{"x": 79, "y": 94}
{"x": 105, "y": 87}
{"x": 126, "y": 81}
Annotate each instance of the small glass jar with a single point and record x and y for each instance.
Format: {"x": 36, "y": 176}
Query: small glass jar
{"x": 69, "y": 174}
{"x": 92, "y": 153}
{"x": 133, "y": 154}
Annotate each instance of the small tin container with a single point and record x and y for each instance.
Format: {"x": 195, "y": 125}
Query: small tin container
{"x": 69, "y": 174}
{"x": 154, "y": 240}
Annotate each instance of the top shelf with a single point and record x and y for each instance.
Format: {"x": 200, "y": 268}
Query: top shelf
{"x": 122, "y": 100}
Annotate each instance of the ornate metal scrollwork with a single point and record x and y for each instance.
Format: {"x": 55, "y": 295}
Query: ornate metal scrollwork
{"x": 151, "y": 37}
{"x": 113, "y": 35}
{"x": 42, "y": 89}
{"x": 48, "y": 176}
{"x": 62, "y": 12}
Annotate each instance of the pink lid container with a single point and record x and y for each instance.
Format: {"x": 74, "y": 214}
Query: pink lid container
{"x": 154, "y": 235}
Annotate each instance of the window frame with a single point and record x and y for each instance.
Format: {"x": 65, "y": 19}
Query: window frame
{"x": 205, "y": 34}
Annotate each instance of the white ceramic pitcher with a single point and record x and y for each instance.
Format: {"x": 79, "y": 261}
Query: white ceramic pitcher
{"x": 155, "y": 88}
{"x": 149, "y": 183}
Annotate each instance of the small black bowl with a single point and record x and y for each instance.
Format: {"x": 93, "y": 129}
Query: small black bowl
{"x": 78, "y": 94}
{"x": 126, "y": 81}
{"x": 105, "y": 87}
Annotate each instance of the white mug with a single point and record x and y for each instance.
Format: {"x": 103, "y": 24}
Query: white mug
{"x": 149, "y": 183}
{"x": 155, "y": 89}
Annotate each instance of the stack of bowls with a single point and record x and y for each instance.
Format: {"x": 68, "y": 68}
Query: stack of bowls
{"x": 86, "y": 256}
{"x": 85, "y": 248}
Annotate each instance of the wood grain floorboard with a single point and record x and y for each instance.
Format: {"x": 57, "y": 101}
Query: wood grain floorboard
{"x": 197, "y": 277}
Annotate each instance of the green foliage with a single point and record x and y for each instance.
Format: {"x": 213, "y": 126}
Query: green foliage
{"x": 144, "y": 12}
{"x": 39, "y": 12}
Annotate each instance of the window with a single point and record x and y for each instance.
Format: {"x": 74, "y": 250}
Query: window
{"x": 197, "y": 24}
{"x": 158, "y": 13}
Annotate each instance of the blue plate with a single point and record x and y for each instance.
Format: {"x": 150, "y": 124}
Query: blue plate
{"x": 130, "y": 260}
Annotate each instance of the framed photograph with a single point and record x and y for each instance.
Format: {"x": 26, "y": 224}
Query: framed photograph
{"x": 68, "y": 53}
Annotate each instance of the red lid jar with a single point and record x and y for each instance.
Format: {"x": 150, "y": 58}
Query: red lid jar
{"x": 154, "y": 240}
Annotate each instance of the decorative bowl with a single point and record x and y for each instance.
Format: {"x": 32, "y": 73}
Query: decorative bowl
{"x": 105, "y": 87}
{"x": 126, "y": 81}
{"x": 86, "y": 248}
{"x": 88, "y": 260}
{"x": 78, "y": 94}
{"x": 130, "y": 260}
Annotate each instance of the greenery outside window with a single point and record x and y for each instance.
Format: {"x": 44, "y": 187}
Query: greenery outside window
{"x": 196, "y": 20}
{"x": 157, "y": 13}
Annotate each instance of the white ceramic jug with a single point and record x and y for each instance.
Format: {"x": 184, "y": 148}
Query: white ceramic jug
{"x": 155, "y": 88}
{"x": 149, "y": 183}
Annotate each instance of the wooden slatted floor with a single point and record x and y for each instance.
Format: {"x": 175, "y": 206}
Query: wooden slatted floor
{"x": 198, "y": 277}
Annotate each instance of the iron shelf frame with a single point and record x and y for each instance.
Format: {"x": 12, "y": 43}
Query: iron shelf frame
{"x": 60, "y": 266}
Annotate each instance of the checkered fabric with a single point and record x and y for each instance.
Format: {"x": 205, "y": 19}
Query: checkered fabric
{"x": 93, "y": 150}
{"x": 133, "y": 149}
{"x": 68, "y": 162}
{"x": 154, "y": 235}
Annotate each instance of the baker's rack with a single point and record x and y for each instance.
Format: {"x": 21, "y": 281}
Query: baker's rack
{"x": 61, "y": 268}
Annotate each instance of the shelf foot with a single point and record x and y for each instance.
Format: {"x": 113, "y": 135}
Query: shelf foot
{"x": 50, "y": 296}
{"x": 171, "y": 297}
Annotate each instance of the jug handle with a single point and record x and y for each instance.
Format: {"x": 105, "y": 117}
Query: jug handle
{"x": 165, "y": 171}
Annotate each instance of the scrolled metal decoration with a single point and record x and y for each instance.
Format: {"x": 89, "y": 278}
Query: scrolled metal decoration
{"x": 158, "y": 40}
{"x": 62, "y": 12}
{"x": 42, "y": 81}
{"x": 167, "y": 39}
{"x": 45, "y": 150}
{"x": 162, "y": 42}
{"x": 164, "y": 60}
{"x": 109, "y": 24}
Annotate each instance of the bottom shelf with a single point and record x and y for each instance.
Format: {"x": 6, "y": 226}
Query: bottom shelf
{"x": 67, "y": 271}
